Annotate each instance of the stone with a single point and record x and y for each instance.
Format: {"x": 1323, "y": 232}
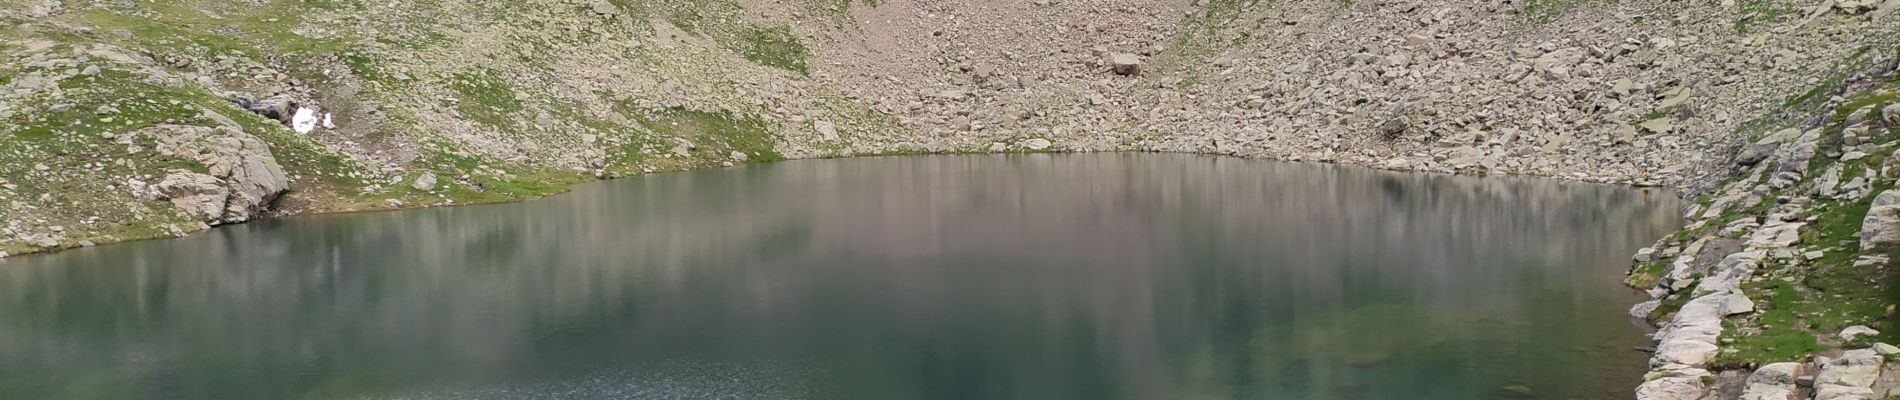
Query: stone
{"x": 1623, "y": 87}
{"x": 1849, "y": 377}
{"x": 826, "y": 130}
{"x": 1125, "y": 64}
{"x": 1037, "y": 144}
{"x": 605, "y": 8}
{"x": 1737, "y": 304}
{"x": 1855, "y": 331}
{"x": 1392, "y": 128}
{"x": 739, "y": 157}
{"x": 1794, "y": 156}
{"x": 1776, "y": 235}
{"x": 1659, "y": 125}
{"x": 41, "y": 240}
{"x": 1772, "y": 382}
{"x": 1689, "y": 339}
{"x": 1675, "y": 384}
{"x": 1643, "y": 309}
{"x": 1557, "y": 64}
{"x": 1885, "y": 349}
{"x": 1517, "y": 391}
{"x": 425, "y": 182}
{"x": 1881, "y": 226}
{"x": 194, "y": 193}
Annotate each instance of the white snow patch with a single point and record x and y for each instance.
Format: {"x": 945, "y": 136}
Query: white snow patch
{"x": 305, "y": 120}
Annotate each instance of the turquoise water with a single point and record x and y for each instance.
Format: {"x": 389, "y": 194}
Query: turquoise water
{"x": 1111, "y": 276}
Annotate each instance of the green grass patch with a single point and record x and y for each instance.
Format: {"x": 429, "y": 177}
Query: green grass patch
{"x": 1759, "y": 12}
{"x": 775, "y": 47}
{"x": 1204, "y": 34}
{"x": 485, "y": 98}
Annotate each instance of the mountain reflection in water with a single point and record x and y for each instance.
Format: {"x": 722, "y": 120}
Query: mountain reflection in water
{"x": 1105, "y": 276}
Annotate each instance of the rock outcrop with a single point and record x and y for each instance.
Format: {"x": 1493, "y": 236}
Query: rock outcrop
{"x": 241, "y": 179}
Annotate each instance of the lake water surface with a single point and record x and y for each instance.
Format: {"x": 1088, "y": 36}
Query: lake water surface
{"x": 1108, "y": 276}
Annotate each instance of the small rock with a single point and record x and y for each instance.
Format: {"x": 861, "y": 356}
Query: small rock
{"x": 1038, "y": 144}
{"x": 1393, "y": 128}
{"x": 1886, "y": 349}
{"x": 425, "y": 183}
{"x": 1857, "y": 331}
{"x": 739, "y": 157}
{"x": 1737, "y": 304}
{"x": 1125, "y": 64}
{"x": 1659, "y": 125}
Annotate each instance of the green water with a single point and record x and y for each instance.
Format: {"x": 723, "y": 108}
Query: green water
{"x": 1115, "y": 276}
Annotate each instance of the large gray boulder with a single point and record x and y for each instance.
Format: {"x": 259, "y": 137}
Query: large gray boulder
{"x": 242, "y": 164}
{"x": 1881, "y": 226}
{"x": 1794, "y": 156}
{"x": 1772, "y": 382}
{"x": 199, "y": 195}
{"x": 1850, "y": 377}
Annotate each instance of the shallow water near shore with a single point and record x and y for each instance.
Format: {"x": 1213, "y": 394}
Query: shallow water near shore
{"x": 1098, "y": 276}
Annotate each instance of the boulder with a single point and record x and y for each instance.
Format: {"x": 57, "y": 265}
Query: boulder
{"x": 279, "y": 108}
{"x": 1737, "y": 304}
{"x": 1857, "y": 331}
{"x": 425, "y": 183}
{"x": 1690, "y": 338}
{"x": 1794, "y": 156}
{"x": 1392, "y": 128}
{"x": 41, "y": 240}
{"x": 826, "y": 130}
{"x": 1125, "y": 64}
{"x": 196, "y": 194}
{"x": 1679, "y": 384}
{"x": 243, "y": 163}
{"x": 1659, "y": 125}
{"x": 1772, "y": 382}
{"x": 1557, "y": 64}
{"x": 1881, "y": 226}
{"x": 1849, "y": 377}
{"x": 605, "y": 8}
{"x": 1038, "y": 144}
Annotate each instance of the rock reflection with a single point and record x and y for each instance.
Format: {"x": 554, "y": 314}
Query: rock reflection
{"x": 1080, "y": 276}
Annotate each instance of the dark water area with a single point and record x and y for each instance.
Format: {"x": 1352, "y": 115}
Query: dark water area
{"x": 1105, "y": 276}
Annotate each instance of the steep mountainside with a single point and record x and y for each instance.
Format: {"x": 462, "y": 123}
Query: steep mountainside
{"x": 124, "y": 119}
